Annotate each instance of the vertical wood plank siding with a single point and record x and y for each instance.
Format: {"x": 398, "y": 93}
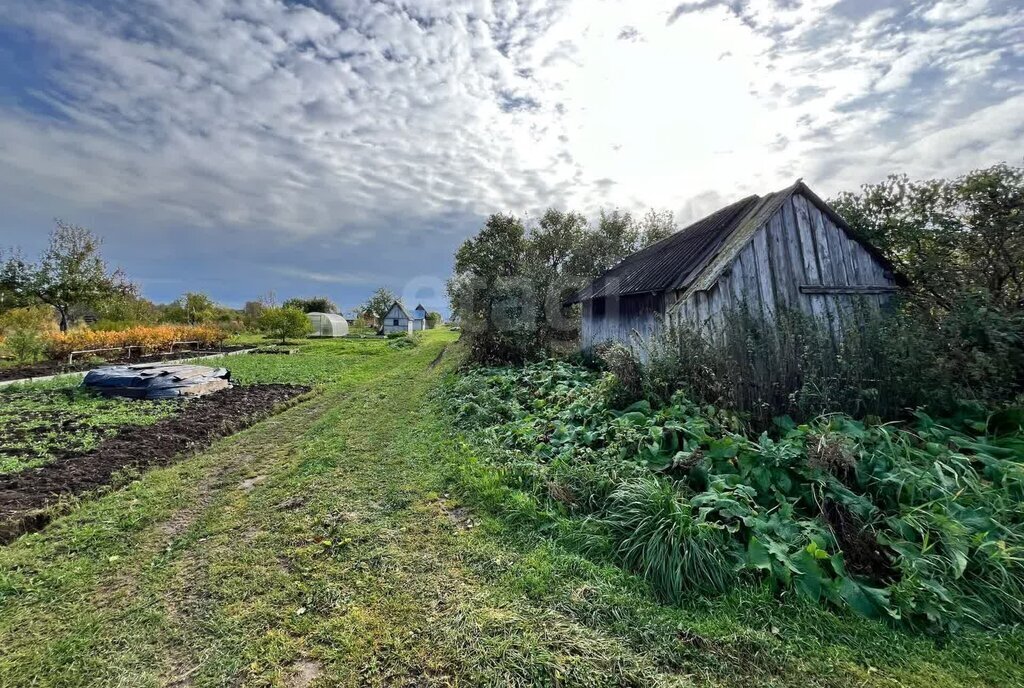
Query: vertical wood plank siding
{"x": 622, "y": 317}
{"x": 798, "y": 245}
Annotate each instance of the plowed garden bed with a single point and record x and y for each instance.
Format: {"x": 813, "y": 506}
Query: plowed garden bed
{"x": 25, "y": 494}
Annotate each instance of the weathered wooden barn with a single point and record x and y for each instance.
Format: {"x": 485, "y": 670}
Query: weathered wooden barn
{"x": 785, "y": 250}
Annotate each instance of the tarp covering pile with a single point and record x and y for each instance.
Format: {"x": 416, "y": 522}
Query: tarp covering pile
{"x": 157, "y": 380}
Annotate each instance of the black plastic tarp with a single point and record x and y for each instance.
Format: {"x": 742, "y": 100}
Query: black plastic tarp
{"x": 157, "y": 380}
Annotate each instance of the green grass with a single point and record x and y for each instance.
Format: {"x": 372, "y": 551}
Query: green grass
{"x": 39, "y": 423}
{"x": 329, "y": 542}
{"x": 317, "y": 362}
{"x": 42, "y": 421}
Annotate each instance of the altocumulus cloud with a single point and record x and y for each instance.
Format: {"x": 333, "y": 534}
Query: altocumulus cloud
{"x": 236, "y": 145}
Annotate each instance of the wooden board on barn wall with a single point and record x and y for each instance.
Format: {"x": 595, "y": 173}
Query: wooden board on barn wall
{"x": 621, "y": 319}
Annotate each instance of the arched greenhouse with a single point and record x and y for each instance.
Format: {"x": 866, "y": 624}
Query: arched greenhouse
{"x": 328, "y": 325}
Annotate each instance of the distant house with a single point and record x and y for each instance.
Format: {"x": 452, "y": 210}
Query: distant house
{"x": 397, "y": 320}
{"x": 419, "y": 318}
{"x": 366, "y": 319}
{"x": 785, "y": 250}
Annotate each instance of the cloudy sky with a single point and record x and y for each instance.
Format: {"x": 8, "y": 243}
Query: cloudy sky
{"x": 332, "y": 146}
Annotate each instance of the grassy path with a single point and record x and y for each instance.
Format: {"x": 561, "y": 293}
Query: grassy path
{"x": 319, "y": 548}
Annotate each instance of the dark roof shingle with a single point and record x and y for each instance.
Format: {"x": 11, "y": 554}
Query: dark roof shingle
{"x": 664, "y": 263}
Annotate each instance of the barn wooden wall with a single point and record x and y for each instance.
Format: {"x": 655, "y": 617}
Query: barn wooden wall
{"x": 622, "y": 317}
{"x": 799, "y": 260}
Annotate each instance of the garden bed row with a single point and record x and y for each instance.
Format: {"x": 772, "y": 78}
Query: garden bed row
{"x": 27, "y": 497}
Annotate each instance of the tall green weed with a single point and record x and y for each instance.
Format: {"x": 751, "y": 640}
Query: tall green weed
{"x": 883, "y": 365}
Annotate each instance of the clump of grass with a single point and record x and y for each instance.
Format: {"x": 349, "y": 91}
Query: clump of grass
{"x": 657, "y": 534}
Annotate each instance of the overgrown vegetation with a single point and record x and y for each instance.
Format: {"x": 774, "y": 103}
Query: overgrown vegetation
{"x": 949, "y": 237}
{"x": 885, "y": 365}
{"x": 918, "y": 525}
{"x": 956, "y": 335}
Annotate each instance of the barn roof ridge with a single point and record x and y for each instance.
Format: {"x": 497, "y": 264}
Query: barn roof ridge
{"x": 694, "y": 257}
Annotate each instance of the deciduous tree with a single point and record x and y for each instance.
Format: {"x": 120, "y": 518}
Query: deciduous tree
{"x": 379, "y": 303}
{"x": 510, "y": 283}
{"x": 70, "y": 272}
{"x": 283, "y": 323}
{"x": 949, "y": 237}
{"x": 316, "y": 304}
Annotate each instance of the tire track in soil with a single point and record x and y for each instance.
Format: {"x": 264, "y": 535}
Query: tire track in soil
{"x": 180, "y": 600}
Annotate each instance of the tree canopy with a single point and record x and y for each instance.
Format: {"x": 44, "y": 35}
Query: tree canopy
{"x": 284, "y": 322}
{"x": 948, "y": 237}
{"x": 511, "y": 280}
{"x": 315, "y": 304}
{"x": 192, "y": 308}
{"x": 70, "y": 272}
{"x": 380, "y": 302}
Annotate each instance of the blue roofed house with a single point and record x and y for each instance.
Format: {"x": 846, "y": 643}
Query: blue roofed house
{"x": 419, "y": 315}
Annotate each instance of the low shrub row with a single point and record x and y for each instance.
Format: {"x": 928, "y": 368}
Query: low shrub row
{"x": 149, "y": 339}
{"x": 920, "y": 523}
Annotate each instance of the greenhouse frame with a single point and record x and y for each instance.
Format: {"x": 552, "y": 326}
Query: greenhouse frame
{"x": 328, "y": 325}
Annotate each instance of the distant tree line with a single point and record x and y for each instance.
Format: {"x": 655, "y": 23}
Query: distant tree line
{"x": 71, "y": 283}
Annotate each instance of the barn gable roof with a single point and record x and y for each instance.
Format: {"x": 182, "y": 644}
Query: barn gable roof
{"x": 401, "y": 309}
{"x": 694, "y": 257}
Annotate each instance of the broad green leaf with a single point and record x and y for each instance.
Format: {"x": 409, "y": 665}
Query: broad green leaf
{"x": 869, "y": 602}
{"x": 757, "y": 555}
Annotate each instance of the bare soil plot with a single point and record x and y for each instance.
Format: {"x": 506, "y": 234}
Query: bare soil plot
{"x": 24, "y": 494}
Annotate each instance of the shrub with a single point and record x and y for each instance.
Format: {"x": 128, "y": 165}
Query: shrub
{"x": 147, "y": 339}
{"x": 916, "y": 523}
{"x": 38, "y": 318}
{"x": 404, "y": 341}
{"x": 629, "y": 374}
{"x": 658, "y": 534}
{"x": 283, "y": 323}
{"x": 26, "y": 345}
{"x": 883, "y": 365}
